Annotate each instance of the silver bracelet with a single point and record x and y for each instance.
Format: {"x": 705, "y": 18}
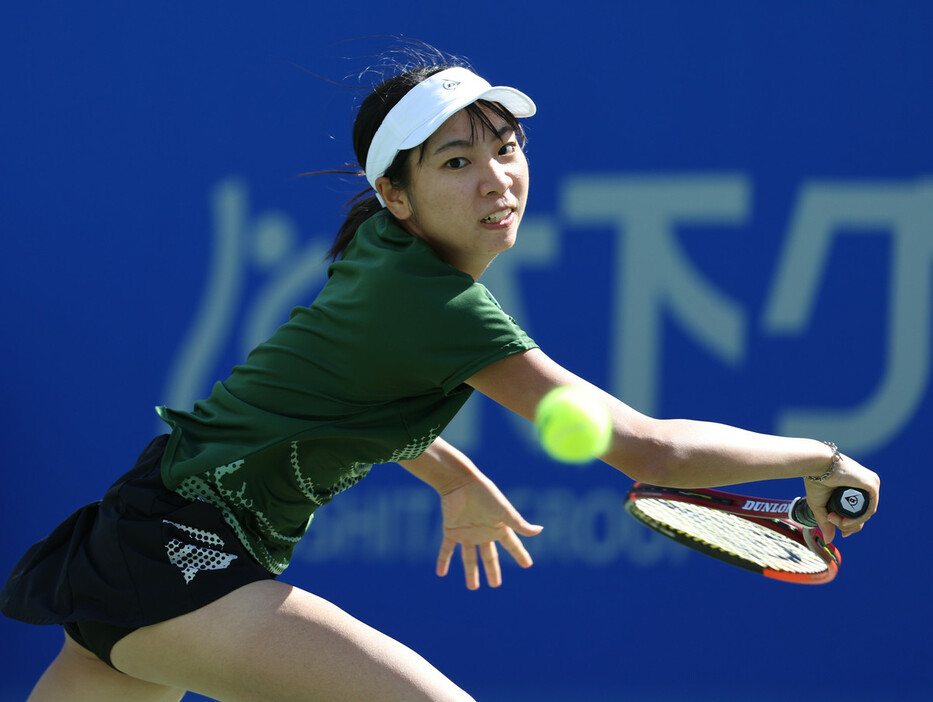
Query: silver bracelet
{"x": 832, "y": 466}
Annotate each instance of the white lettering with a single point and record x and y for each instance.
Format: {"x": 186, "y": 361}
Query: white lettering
{"x": 266, "y": 243}
{"x": 652, "y": 273}
{"x": 905, "y": 211}
{"x": 759, "y": 506}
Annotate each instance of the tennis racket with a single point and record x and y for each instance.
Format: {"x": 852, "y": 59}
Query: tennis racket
{"x": 776, "y": 538}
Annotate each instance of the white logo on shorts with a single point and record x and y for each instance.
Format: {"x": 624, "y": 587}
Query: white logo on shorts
{"x": 191, "y": 558}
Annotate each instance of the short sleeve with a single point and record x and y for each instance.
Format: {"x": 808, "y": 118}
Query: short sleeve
{"x": 424, "y": 324}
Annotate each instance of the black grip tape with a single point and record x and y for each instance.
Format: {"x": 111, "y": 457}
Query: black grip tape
{"x": 801, "y": 513}
{"x": 846, "y": 502}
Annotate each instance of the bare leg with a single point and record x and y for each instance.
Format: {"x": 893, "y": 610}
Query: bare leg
{"x": 269, "y": 641}
{"x": 78, "y": 675}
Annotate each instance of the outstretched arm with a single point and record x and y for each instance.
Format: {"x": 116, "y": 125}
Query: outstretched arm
{"x": 476, "y": 514}
{"x": 683, "y": 453}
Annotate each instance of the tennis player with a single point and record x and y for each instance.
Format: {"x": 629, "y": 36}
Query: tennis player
{"x": 170, "y": 582}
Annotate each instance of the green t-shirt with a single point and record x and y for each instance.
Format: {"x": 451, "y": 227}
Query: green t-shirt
{"x": 371, "y": 372}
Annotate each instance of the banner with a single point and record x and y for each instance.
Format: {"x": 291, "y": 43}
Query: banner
{"x": 730, "y": 219}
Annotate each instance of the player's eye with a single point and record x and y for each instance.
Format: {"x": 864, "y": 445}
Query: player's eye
{"x": 456, "y": 163}
{"x": 508, "y": 148}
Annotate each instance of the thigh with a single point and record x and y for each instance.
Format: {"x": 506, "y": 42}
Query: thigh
{"x": 269, "y": 641}
{"x": 78, "y": 675}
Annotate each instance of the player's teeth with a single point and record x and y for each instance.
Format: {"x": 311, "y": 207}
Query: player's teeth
{"x": 497, "y": 216}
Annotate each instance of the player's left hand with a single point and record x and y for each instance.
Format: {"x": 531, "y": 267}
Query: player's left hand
{"x": 476, "y": 516}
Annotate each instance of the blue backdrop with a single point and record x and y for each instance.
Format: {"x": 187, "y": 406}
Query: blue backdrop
{"x": 731, "y": 219}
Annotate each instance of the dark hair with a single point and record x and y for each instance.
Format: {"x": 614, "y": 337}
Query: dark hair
{"x": 372, "y": 112}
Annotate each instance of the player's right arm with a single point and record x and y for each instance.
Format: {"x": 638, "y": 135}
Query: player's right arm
{"x": 678, "y": 452}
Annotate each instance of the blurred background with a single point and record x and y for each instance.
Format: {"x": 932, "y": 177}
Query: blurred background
{"x": 731, "y": 218}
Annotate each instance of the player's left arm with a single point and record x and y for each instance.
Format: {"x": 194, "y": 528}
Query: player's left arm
{"x": 475, "y": 514}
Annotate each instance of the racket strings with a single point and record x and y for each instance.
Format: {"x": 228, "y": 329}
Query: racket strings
{"x": 732, "y": 534}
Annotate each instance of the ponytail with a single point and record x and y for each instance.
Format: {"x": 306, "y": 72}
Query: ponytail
{"x": 360, "y": 211}
{"x": 372, "y": 112}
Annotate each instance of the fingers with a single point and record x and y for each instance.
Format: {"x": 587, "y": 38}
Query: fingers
{"x": 853, "y": 474}
{"x": 849, "y": 532}
{"x": 444, "y": 556}
{"x": 517, "y": 549}
{"x": 470, "y": 567}
{"x": 490, "y": 555}
{"x": 526, "y": 529}
{"x": 828, "y": 530}
{"x": 832, "y": 521}
{"x": 829, "y": 522}
{"x": 487, "y": 551}
{"x": 846, "y": 526}
{"x": 516, "y": 521}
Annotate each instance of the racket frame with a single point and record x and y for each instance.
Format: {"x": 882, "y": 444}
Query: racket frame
{"x": 773, "y": 514}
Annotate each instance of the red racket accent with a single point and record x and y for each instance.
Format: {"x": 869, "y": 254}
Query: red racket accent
{"x": 757, "y": 534}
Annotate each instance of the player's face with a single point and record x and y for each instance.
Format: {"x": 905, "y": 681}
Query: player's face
{"x": 467, "y": 192}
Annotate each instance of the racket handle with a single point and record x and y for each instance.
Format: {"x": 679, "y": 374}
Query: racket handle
{"x": 846, "y": 502}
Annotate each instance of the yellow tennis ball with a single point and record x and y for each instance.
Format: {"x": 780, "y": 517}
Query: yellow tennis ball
{"x": 573, "y": 424}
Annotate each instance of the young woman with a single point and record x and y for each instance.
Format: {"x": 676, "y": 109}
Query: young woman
{"x": 168, "y": 584}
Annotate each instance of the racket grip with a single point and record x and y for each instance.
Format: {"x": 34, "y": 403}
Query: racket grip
{"x": 846, "y": 502}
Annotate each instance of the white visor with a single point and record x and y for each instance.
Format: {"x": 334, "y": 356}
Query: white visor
{"x": 427, "y": 106}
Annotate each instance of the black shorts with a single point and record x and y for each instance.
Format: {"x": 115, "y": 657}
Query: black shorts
{"x": 142, "y": 555}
